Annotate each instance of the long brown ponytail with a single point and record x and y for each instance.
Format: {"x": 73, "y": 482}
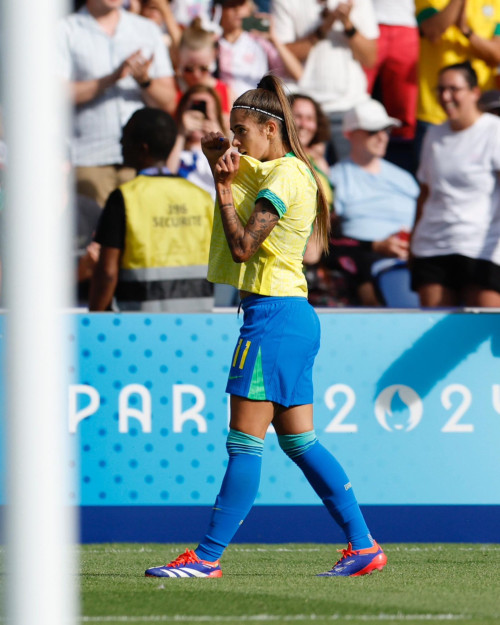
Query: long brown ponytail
{"x": 270, "y": 97}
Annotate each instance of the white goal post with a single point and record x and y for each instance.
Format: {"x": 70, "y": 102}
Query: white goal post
{"x": 40, "y": 525}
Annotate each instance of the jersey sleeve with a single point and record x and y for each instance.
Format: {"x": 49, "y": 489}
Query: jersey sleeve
{"x": 495, "y": 141}
{"x": 110, "y": 230}
{"x": 423, "y": 172}
{"x": 423, "y": 10}
{"x": 364, "y": 19}
{"x": 278, "y": 187}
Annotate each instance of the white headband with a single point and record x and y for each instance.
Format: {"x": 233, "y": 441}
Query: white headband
{"x": 254, "y": 108}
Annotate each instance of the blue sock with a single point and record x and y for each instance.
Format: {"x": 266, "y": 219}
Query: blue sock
{"x": 330, "y": 482}
{"x": 237, "y": 494}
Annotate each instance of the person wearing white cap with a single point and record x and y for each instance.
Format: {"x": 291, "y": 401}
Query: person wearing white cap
{"x": 370, "y": 115}
{"x": 375, "y": 200}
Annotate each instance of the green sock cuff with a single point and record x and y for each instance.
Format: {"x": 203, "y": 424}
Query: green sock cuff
{"x": 297, "y": 444}
{"x": 239, "y": 442}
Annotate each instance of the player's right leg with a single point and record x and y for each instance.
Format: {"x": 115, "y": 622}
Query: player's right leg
{"x": 237, "y": 494}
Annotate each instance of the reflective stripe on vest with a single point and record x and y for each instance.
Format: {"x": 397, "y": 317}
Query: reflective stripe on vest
{"x": 146, "y": 274}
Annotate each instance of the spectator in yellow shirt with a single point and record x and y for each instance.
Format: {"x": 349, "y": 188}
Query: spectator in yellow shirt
{"x": 454, "y": 31}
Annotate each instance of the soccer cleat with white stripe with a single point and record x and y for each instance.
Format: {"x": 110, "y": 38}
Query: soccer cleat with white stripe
{"x": 187, "y": 565}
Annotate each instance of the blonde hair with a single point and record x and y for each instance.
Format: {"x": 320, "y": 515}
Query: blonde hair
{"x": 195, "y": 37}
{"x": 269, "y": 101}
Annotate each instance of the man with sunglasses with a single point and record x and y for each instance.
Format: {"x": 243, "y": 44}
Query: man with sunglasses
{"x": 375, "y": 200}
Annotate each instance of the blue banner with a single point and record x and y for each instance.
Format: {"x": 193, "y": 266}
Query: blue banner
{"x": 408, "y": 402}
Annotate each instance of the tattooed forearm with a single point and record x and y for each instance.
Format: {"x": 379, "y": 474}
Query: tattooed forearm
{"x": 232, "y": 226}
{"x": 245, "y": 240}
{"x": 259, "y": 226}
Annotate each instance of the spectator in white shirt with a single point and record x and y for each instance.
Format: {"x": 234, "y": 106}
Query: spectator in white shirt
{"x": 335, "y": 40}
{"x": 115, "y": 62}
{"x": 242, "y": 59}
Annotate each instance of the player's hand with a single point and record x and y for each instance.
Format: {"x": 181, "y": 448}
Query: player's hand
{"x": 226, "y": 168}
{"x": 214, "y": 145}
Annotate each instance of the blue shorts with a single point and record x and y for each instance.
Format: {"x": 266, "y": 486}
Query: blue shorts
{"x": 274, "y": 356}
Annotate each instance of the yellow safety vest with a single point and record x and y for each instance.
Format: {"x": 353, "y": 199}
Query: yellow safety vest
{"x": 167, "y": 240}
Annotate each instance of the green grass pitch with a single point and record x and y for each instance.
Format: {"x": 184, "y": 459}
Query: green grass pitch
{"x": 422, "y": 583}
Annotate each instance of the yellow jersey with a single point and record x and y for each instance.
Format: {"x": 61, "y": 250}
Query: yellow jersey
{"x": 483, "y": 16}
{"x": 276, "y": 268}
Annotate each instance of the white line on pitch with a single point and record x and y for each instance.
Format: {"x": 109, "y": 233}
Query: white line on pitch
{"x": 263, "y": 618}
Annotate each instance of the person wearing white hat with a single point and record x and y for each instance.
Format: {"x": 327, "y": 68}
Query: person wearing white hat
{"x": 375, "y": 200}
{"x": 370, "y": 115}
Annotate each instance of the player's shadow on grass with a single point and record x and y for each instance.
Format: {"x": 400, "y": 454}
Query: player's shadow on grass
{"x": 441, "y": 349}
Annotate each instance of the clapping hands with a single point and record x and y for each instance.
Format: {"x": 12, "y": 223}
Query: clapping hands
{"x": 137, "y": 66}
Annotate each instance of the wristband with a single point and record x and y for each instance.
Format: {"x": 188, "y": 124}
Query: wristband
{"x": 350, "y": 32}
{"x": 145, "y": 84}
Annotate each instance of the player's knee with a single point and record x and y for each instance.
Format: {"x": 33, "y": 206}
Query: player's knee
{"x": 241, "y": 443}
{"x": 295, "y": 445}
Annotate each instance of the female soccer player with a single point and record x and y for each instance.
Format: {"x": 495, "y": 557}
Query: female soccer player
{"x": 268, "y": 200}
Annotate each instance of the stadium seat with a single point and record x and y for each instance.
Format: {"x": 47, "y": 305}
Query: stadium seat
{"x": 392, "y": 279}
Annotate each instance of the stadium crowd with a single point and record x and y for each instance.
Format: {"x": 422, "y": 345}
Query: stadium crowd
{"x": 366, "y": 84}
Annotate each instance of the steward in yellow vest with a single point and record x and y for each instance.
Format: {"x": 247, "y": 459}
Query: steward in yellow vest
{"x": 154, "y": 230}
